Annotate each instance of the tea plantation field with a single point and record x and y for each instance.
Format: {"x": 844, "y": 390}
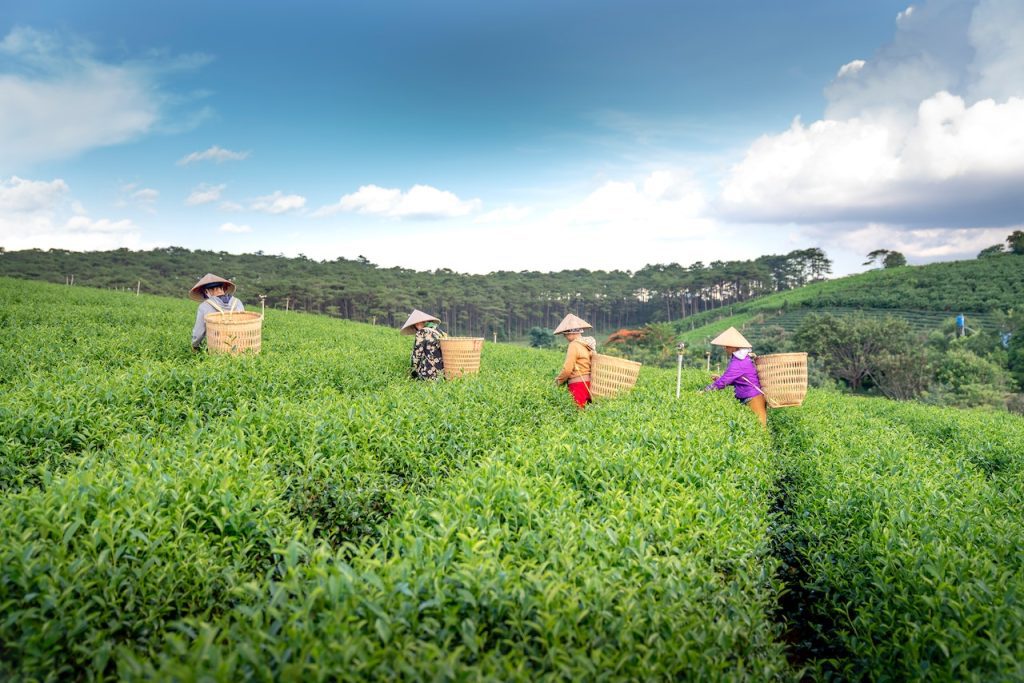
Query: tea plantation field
{"x": 310, "y": 514}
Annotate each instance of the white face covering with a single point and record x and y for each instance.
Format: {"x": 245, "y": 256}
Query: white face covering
{"x": 741, "y": 354}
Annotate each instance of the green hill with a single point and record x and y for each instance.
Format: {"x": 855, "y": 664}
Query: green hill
{"x": 927, "y": 297}
{"x": 311, "y": 514}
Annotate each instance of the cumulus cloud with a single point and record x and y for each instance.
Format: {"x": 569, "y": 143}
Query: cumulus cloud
{"x": 278, "y": 203}
{"x": 146, "y": 194}
{"x": 850, "y": 68}
{"x": 506, "y": 214}
{"x": 663, "y": 204}
{"x": 237, "y": 229}
{"x": 20, "y": 196}
{"x": 205, "y": 194}
{"x": 40, "y": 213}
{"x": 929, "y": 131}
{"x": 917, "y": 244}
{"x": 57, "y": 99}
{"x": 421, "y": 201}
{"x": 131, "y": 194}
{"x": 623, "y": 222}
{"x": 215, "y": 154}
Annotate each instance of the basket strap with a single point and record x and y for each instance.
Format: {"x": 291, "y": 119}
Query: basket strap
{"x": 758, "y": 389}
{"x": 220, "y": 309}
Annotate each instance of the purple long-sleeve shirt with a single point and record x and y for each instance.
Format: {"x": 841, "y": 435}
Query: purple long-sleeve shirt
{"x": 742, "y": 374}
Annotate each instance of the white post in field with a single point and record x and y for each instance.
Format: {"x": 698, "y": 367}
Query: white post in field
{"x": 679, "y": 367}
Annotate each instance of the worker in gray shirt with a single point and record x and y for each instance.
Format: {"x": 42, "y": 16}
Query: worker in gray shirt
{"x": 215, "y": 296}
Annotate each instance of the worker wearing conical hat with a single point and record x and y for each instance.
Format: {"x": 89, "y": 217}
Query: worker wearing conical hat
{"x": 215, "y": 295}
{"x": 740, "y": 373}
{"x": 575, "y": 372}
{"x": 427, "y": 361}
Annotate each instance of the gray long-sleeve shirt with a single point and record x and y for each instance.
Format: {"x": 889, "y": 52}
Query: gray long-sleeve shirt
{"x": 199, "y": 330}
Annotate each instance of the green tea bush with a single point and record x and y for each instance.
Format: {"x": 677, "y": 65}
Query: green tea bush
{"x": 914, "y": 548}
{"x": 311, "y": 513}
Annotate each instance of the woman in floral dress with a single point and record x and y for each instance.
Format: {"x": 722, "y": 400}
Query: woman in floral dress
{"x": 427, "y": 362}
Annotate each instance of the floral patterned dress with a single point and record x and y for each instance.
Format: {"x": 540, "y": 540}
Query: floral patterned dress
{"x": 427, "y": 362}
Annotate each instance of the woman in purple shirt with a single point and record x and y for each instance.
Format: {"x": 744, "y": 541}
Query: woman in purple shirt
{"x": 740, "y": 373}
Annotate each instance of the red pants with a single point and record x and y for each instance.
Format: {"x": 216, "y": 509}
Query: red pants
{"x": 580, "y": 392}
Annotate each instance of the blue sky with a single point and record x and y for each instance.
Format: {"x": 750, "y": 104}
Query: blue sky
{"x": 528, "y": 135}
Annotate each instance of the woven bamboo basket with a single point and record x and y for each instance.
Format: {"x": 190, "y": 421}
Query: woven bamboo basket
{"x": 611, "y": 376}
{"x": 783, "y": 378}
{"x": 461, "y": 355}
{"x": 234, "y": 333}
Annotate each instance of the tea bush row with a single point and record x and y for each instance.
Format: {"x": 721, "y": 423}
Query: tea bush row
{"x": 916, "y": 550}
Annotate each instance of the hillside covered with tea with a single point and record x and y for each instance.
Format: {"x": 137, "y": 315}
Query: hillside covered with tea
{"x": 310, "y": 513}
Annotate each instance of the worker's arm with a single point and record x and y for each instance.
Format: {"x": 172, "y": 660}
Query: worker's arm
{"x": 571, "y": 354}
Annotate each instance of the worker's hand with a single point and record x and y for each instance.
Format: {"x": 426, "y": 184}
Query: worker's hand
{"x": 715, "y": 377}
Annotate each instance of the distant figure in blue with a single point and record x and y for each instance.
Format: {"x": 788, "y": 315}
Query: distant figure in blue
{"x": 961, "y": 325}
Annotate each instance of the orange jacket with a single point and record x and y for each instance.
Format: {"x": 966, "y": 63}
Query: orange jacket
{"x": 577, "y": 362}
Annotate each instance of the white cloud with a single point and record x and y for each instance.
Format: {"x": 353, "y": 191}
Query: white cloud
{"x": 662, "y": 205}
{"x": 622, "y": 223}
{"x": 930, "y": 131}
{"x": 278, "y": 203}
{"x": 919, "y": 245}
{"x": 20, "y": 196}
{"x": 40, "y": 214}
{"x": 851, "y": 68}
{"x": 205, "y": 194}
{"x": 133, "y": 195}
{"x": 84, "y": 224}
{"x": 421, "y": 201}
{"x": 238, "y": 229}
{"x": 146, "y": 194}
{"x": 954, "y": 157}
{"x": 215, "y": 154}
{"x": 506, "y": 214}
{"x": 58, "y": 100}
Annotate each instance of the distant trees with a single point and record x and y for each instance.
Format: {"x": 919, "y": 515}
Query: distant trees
{"x": 503, "y": 303}
{"x": 994, "y": 250}
{"x": 541, "y": 338}
{"x": 852, "y": 348}
{"x": 1015, "y": 241}
{"x": 886, "y": 258}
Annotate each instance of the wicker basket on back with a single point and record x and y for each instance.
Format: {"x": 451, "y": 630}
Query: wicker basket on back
{"x": 234, "y": 333}
{"x": 611, "y": 376}
{"x": 783, "y": 378}
{"x": 461, "y": 355}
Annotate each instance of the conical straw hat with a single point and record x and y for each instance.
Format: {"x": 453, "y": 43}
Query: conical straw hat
{"x": 417, "y": 316}
{"x": 731, "y": 337}
{"x": 571, "y": 322}
{"x": 196, "y": 293}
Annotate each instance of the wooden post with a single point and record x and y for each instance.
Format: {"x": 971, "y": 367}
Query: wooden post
{"x": 287, "y": 299}
{"x": 495, "y": 337}
{"x": 263, "y": 305}
{"x": 138, "y": 287}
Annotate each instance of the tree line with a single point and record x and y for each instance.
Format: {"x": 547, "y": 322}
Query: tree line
{"x": 505, "y": 304}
